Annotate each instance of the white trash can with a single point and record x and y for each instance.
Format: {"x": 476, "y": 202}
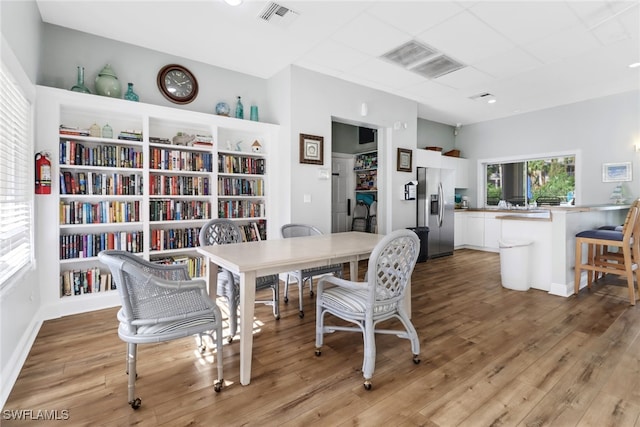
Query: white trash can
{"x": 514, "y": 264}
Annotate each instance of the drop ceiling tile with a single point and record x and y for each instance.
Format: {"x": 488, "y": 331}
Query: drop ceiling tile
{"x": 465, "y": 78}
{"x": 591, "y": 12}
{"x": 414, "y": 17}
{"x": 465, "y": 38}
{"x": 369, "y": 35}
{"x": 566, "y": 43}
{"x": 507, "y": 64}
{"x": 334, "y": 55}
{"x": 525, "y": 21}
{"x": 383, "y": 72}
{"x": 610, "y": 32}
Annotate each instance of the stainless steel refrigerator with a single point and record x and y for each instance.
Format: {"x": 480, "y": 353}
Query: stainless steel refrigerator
{"x": 435, "y": 199}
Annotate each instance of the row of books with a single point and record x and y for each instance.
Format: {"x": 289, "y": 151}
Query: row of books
{"x": 175, "y": 185}
{"x": 240, "y": 164}
{"x": 180, "y": 160}
{"x": 174, "y": 238}
{"x": 197, "y": 265}
{"x": 103, "y": 184}
{"x": 75, "y": 153}
{"x": 253, "y": 231}
{"x": 130, "y": 135}
{"x": 240, "y": 187}
{"x": 74, "y": 246}
{"x": 105, "y": 212}
{"x": 91, "y": 281}
{"x": 73, "y": 130}
{"x": 176, "y": 210}
{"x": 241, "y": 209}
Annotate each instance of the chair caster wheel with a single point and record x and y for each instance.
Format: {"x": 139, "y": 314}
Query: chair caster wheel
{"x": 416, "y": 359}
{"x": 286, "y": 300}
{"x": 318, "y": 352}
{"x": 367, "y": 385}
{"x": 277, "y": 317}
{"x": 217, "y": 386}
{"x": 202, "y": 349}
{"x": 135, "y": 403}
{"x": 230, "y": 340}
{"x": 301, "y": 314}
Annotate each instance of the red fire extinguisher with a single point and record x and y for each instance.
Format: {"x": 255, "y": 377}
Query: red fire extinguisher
{"x": 43, "y": 173}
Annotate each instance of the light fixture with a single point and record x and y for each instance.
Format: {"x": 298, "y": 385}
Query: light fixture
{"x": 491, "y": 101}
{"x": 233, "y": 2}
{"x": 634, "y": 65}
{"x": 364, "y": 109}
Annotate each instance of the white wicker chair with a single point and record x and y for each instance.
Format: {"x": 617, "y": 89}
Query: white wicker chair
{"x": 299, "y": 230}
{"x": 379, "y": 298}
{"x": 160, "y": 303}
{"x": 221, "y": 231}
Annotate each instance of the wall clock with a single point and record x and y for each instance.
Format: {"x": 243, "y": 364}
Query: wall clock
{"x": 177, "y": 84}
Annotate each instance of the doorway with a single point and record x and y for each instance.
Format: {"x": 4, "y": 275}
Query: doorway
{"x": 350, "y": 141}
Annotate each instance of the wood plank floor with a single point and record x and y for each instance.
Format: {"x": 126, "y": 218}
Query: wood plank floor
{"x": 490, "y": 357}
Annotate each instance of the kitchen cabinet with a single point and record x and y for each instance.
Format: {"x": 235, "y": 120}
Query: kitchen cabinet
{"x": 459, "y": 230}
{"x": 491, "y": 231}
{"x": 475, "y": 229}
{"x": 461, "y": 168}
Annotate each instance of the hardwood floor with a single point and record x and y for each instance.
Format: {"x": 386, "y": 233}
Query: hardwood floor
{"x": 490, "y": 357}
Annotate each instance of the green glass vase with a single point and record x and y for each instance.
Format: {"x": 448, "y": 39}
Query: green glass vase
{"x": 79, "y": 86}
{"x": 130, "y": 95}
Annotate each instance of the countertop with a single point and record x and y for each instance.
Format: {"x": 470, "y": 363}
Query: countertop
{"x": 543, "y": 213}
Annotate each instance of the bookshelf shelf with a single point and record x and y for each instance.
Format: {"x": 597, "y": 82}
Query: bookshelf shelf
{"x": 162, "y": 192}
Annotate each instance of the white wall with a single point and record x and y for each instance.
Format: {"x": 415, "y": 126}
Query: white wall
{"x": 604, "y": 130}
{"x": 64, "y": 50}
{"x": 19, "y": 322}
{"x": 316, "y": 100}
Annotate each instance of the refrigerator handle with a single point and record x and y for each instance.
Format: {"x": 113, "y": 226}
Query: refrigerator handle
{"x": 440, "y": 204}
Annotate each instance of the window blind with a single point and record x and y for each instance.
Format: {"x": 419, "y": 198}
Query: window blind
{"x": 16, "y": 200}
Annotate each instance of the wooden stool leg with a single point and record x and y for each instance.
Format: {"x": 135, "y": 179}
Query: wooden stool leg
{"x": 590, "y": 261}
{"x": 578, "y": 266}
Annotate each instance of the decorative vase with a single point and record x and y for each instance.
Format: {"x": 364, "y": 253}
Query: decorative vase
{"x": 222, "y": 109}
{"x": 79, "y": 86}
{"x": 239, "y": 109}
{"x": 254, "y": 113}
{"x": 107, "y": 83}
{"x": 95, "y": 131}
{"x": 107, "y": 131}
{"x": 130, "y": 95}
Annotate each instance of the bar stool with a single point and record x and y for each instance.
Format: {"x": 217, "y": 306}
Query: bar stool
{"x": 623, "y": 263}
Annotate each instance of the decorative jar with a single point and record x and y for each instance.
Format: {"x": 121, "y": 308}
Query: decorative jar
{"x": 107, "y": 131}
{"x": 222, "y": 109}
{"x": 107, "y": 83}
{"x": 254, "y": 113}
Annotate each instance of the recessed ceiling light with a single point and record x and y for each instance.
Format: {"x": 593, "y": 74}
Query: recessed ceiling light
{"x": 634, "y": 65}
{"x": 491, "y": 101}
{"x": 233, "y": 2}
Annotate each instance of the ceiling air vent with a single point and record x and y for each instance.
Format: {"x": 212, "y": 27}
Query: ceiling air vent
{"x": 422, "y": 59}
{"x": 484, "y": 97}
{"x": 277, "y": 14}
{"x": 437, "y": 67}
{"x": 409, "y": 54}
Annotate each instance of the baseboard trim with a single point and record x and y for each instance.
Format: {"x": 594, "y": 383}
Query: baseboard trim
{"x": 11, "y": 371}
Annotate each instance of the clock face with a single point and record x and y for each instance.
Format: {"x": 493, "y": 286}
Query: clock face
{"x": 177, "y": 84}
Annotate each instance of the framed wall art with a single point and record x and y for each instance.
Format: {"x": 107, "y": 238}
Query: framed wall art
{"x": 404, "y": 160}
{"x": 616, "y": 172}
{"x": 311, "y": 149}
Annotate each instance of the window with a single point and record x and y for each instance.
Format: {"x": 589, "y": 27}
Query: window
{"x": 16, "y": 200}
{"x": 545, "y": 181}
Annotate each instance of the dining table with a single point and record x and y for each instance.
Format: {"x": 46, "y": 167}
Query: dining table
{"x": 260, "y": 258}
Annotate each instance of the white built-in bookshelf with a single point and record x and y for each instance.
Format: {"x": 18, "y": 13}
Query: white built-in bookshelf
{"x": 138, "y": 189}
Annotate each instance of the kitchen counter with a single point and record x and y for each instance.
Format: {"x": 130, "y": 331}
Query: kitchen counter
{"x": 551, "y": 229}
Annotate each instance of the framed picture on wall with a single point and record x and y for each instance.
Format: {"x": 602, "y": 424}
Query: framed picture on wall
{"x": 311, "y": 149}
{"x": 616, "y": 172}
{"x": 404, "y": 160}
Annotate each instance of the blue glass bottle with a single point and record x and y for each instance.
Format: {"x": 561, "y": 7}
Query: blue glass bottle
{"x": 130, "y": 95}
{"x": 239, "y": 110}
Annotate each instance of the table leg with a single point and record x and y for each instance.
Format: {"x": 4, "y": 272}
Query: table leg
{"x": 353, "y": 270}
{"x": 247, "y": 307}
{"x": 212, "y": 288}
